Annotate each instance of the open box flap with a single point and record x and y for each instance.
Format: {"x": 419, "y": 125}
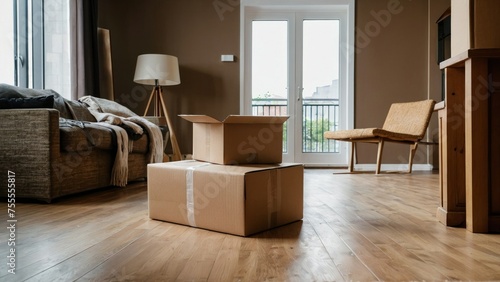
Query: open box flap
{"x": 200, "y": 119}
{"x": 236, "y": 119}
{"x": 255, "y": 119}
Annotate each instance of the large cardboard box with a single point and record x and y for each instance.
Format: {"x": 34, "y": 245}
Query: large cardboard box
{"x": 237, "y": 139}
{"x": 240, "y": 200}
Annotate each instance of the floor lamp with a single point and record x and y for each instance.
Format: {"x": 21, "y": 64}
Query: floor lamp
{"x": 159, "y": 70}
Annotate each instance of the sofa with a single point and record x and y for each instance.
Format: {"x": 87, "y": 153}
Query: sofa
{"x": 56, "y": 147}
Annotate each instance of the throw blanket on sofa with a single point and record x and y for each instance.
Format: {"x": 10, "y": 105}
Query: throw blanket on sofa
{"x": 119, "y": 174}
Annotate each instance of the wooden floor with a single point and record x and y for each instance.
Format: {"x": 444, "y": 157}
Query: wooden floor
{"x": 356, "y": 227}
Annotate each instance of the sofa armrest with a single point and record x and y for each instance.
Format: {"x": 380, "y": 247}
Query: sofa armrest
{"x": 29, "y": 143}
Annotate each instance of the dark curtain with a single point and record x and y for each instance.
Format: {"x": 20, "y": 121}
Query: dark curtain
{"x": 90, "y": 17}
{"x": 84, "y": 48}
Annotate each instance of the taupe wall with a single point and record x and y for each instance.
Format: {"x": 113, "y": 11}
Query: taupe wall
{"x": 392, "y": 63}
{"x": 189, "y": 29}
{"x": 395, "y": 63}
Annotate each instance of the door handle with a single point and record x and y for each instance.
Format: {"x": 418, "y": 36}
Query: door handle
{"x": 299, "y": 96}
{"x": 20, "y": 59}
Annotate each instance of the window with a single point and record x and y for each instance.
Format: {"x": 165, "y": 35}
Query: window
{"x": 35, "y": 45}
{"x": 7, "y": 71}
{"x": 57, "y": 46}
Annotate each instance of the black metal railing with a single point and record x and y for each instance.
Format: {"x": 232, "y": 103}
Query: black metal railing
{"x": 318, "y": 116}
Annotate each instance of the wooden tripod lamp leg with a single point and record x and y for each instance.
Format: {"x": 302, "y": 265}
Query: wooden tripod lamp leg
{"x": 173, "y": 138}
{"x": 153, "y": 93}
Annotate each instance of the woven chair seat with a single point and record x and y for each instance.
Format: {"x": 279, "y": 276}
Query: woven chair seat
{"x": 405, "y": 122}
{"x": 369, "y": 133}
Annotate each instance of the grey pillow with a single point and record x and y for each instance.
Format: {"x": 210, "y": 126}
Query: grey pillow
{"x": 107, "y": 106}
{"x": 11, "y": 91}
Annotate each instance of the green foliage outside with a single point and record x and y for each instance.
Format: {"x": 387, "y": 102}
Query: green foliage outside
{"x": 313, "y": 136}
{"x": 314, "y": 140}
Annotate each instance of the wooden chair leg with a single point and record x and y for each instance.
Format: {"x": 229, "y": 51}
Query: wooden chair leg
{"x": 352, "y": 160}
{"x": 413, "y": 149}
{"x": 379, "y": 155}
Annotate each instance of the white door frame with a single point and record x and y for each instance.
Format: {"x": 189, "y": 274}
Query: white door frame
{"x": 251, "y": 7}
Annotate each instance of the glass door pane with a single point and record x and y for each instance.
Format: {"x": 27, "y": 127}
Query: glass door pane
{"x": 57, "y": 63}
{"x": 320, "y": 84}
{"x": 270, "y": 70}
{"x": 7, "y": 68}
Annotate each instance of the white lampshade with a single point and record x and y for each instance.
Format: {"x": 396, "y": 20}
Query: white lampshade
{"x": 152, "y": 67}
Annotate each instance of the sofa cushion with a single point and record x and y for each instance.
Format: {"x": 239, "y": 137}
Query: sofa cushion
{"x": 27, "y": 103}
{"x": 84, "y": 138}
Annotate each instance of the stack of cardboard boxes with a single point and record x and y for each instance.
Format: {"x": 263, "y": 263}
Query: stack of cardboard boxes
{"x": 236, "y": 183}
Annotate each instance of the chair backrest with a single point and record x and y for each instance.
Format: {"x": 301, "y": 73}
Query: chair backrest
{"x": 409, "y": 118}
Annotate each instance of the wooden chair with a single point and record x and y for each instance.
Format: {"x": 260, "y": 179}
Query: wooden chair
{"x": 405, "y": 123}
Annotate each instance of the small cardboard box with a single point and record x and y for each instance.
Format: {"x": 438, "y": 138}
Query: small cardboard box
{"x": 237, "y": 139}
{"x": 240, "y": 200}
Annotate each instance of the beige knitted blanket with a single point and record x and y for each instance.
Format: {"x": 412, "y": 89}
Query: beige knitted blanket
{"x": 119, "y": 174}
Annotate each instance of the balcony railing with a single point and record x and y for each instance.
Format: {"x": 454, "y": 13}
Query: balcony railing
{"x": 318, "y": 116}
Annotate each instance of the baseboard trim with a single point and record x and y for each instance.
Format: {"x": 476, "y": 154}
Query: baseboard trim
{"x": 453, "y": 219}
{"x": 372, "y": 167}
{"x": 359, "y": 167}
{"x": 393, "y": 167}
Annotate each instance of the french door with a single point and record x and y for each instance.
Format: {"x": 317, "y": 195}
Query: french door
{"x": 296, "y": 63}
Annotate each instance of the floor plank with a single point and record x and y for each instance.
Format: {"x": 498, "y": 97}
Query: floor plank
{"x": 356, "y": 227}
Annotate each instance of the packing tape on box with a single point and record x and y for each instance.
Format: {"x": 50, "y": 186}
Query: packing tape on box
{"x": 190, "y": 193}
{"x": 273, "y": 198}
{"x": 207, "y": 142}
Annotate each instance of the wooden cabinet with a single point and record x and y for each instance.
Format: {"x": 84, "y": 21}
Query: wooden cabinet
{"x": 469, "y": 141}
{"x": 474, "y": 25}
{"x": 451, "y": 122}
